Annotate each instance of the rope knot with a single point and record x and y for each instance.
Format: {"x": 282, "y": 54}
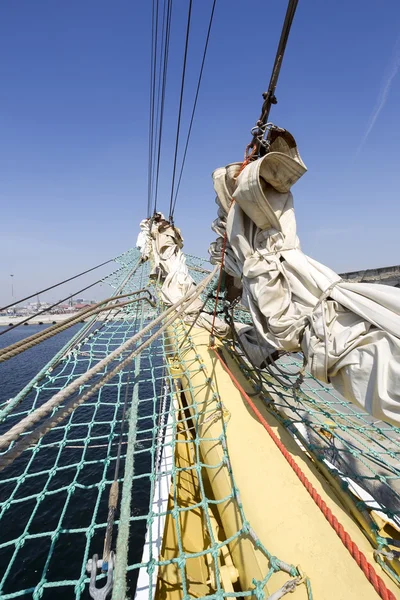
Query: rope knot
{"x": 39, "y": 589}
{"x": 21, "y": 541}
{"x": 258, "y": 589}
{"x": 151, "y": 565}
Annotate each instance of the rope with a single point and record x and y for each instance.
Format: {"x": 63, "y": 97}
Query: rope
{"x": 23, "y": 393}
{"x": 225, "y": 240}
{"x": 23, "y": 425}
{"x": 194, "y": 321}
{"x": 41, "y": 312}
{"x": 75, "y": 341}
{"x": 120, "y": 584}
{"x": 161, "y": 94}
{"x": 119, "y": 591}
{"x": 269, "y": 96}
{"x": 34, "y": 436}
{"x": 114, "y": 490}
{"x": 53, "y": 474}
{"x": 84, "y": 332}
{"x": 52, "y": 287}
{"x": 153, "y": 65}
{"x": 171, "y": 215}
{"x": 113, "y": 274}
{"x": 195, "y": 102}
{"x": 37, "y": 338}
{"x": 351, "y": 546}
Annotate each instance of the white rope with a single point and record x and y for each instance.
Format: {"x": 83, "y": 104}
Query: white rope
{"x": 23, "y": 425}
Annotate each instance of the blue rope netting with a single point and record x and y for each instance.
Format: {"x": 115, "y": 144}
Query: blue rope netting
{"x": 54, "y": 497}
{"x": 359, "y": 453}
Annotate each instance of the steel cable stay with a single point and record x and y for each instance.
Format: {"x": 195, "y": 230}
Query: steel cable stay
{"x": 162, "y": 85}
{"x": 153, "y": 64}
{"x": 158, "y": 77}
{"x": 178, "y": 127}
{"x": 160, "y": 59}
{"x": 52, "y": 287}
{"x": 48, "y": 308}
{"x": 41, "y": 312}
{"x": 261, "y": 126}
{"x": 158, "y": 80}
{"x": 194, "y": 104}
{"x": 269, "y": 96}
{"x": 95, "y": 309}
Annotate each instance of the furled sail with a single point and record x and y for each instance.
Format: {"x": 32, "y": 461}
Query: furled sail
{"x": 348, "y": 332}
{"x": 170, "y": 265}
{"x": 143, "y": 242}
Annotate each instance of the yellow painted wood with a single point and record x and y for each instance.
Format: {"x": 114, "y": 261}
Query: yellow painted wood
{"x": 199, "y": 571}
{"x": 194, "y": 538}
{"x": 277, "y": 505}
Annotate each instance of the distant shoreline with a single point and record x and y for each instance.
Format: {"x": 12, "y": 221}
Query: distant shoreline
{"x": 7, "y": 320}
{"x": 48, "y": 319}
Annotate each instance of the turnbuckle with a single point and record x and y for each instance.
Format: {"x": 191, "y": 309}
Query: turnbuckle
{"x": 92, "y": 566}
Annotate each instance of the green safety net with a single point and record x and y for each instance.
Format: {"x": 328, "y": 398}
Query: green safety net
{"x": 358, "y": 453}
{"x": 54, "y": 497}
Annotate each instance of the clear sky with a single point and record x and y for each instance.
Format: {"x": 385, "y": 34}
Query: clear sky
{"x": 74, "y": 104}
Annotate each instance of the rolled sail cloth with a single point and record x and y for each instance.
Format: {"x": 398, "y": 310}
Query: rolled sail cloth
{"x": 167, "y": 245}
{"x": 348, "y": 332}
{"x": 143, "y": 242}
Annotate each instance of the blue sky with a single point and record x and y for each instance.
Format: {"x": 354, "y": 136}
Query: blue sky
{"x": 74, "y": 117}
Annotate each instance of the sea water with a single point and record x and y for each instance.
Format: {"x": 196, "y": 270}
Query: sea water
{"x": 31, "y": 562}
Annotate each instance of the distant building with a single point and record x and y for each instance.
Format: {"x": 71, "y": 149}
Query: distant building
{"x": 81, "y": 306}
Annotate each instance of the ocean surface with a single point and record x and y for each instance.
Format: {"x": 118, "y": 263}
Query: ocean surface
{"x": 17, "y": 372}
{"x": 65, "y": 563}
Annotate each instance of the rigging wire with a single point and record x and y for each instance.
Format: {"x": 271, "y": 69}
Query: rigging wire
{"x": 269, "y": 95}
{"x": 57, "y": 284}
{"x": 194, "y": 104}
{"x": 153, "y": 64}
{"x": 180, "y": 108}
{"x": 114, "y": 489}
{"x": 48, "y": 308}
{"x": 158, "y": 97}
{"x": 161, "y": 97}
{"x": 156, "y": 120}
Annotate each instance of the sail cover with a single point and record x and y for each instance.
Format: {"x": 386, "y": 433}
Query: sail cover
{"x": 143, "y": 242}
{"x": 348, "y": 332}
{"x": 170, "y": 266}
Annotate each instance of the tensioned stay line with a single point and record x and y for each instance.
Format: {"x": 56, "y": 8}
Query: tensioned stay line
{"x": 57, "y": 284}
{"x": 161, "y": 104}
{"x": 40, "y": 312}
{"x": 180, "y": 107}
{"x": 269, "y": 95}
{"x": 194, "y": 104}
{"x": 153, "y": 59}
